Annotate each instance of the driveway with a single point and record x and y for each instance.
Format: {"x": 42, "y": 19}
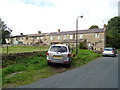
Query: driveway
{"x": 100, "y": 73}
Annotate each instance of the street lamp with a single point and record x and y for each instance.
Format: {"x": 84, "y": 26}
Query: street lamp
{"x": 77, "y": 33}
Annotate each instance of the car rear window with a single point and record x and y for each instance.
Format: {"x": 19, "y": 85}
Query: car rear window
{"x": 109, "y": 49}
{"x": 58, "y": 49}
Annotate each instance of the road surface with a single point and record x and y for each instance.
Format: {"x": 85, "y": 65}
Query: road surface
{"x": 100, "y": 73}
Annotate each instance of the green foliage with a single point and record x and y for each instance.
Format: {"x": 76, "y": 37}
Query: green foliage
{"x": 94, "y": 27}
{"x": 16, "y": 49}
{"x": 113, "y": 32}
{"x": 25, "y": 69}
{"x": 31, "y": 69}
{"x": 84, "y": 56}
{"x": 4, "y": 32}
{"x": 13, "y": 68}
{"x": 114, "y": 24}
{"x": 82, "y": 45}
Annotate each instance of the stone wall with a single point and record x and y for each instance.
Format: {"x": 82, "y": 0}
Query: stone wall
{"x": 13, "y": 56}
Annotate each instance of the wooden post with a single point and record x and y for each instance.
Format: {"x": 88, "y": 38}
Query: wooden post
{"x": 7, "y": 48}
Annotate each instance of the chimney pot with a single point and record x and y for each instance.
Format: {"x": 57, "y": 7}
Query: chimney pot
{"x": 39, "y": 32}
{"x": 104, "y": 27}
{"x": 58, "y": 30}
{"x": 21, "y": 34}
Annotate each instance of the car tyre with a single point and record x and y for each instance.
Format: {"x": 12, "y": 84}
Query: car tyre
{"x": 48, "y": 63}
{"x": 69, "y": 64}
{"x": 115, "y": 55}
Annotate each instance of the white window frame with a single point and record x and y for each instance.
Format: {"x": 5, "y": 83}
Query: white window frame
{"x": 71, "y": 36}
{"x": 96, "y": 35}
{"x": 51, "y": 37}
{"x": 38, "y": 37}
{"x": 65, "y": 36}
{"x": 81, "y": 36}
{"x": 59, "y": 37}
{"x": 41, "y": 37}
{"x": 89, "y": 44}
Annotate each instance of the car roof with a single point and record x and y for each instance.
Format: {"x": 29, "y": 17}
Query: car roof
{"x": 108, "y": 48}
{"x": 60, "y": 45}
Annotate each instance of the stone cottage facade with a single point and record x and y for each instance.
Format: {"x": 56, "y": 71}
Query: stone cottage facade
{"x": 94, "y": 38}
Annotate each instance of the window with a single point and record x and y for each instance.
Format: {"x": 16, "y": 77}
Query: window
{"x": 58, "y": 49}
{"x": 41, "y": 37}
{"x": 96, "y": 35}
{"x": 59, "y": 37}
{"x": 38, "y": 38}
{"x": 30, "y": 38}
{"x": 35, "y": 37}
{"x": 89, "y": 44}
{"x": 16, "y": 39}
{"x": 71, "y": 36}
{"x": 26, "y": 38}
{"x": 51, "y": 38}
{"x": 81, "y": 36}
{"x": 65, "y": 37}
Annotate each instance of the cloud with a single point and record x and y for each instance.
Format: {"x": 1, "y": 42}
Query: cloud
{"x": 29, "y": 16}
{"x": 41, "y": 3}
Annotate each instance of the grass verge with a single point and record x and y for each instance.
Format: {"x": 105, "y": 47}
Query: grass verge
{"x": 16, "y": 49}
{"x": 84, "y": 56}
{"x": 31, "y": 69}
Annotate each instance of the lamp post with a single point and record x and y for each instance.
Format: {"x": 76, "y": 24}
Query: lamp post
{"x": 77, "y": 33}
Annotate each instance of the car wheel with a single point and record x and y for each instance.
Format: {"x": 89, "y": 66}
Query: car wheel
{"x": 48, "y": 63}
{"x": 69, "y": 64}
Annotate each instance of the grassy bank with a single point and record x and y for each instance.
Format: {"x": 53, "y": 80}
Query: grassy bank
{"x": 83, "y": 57}
{"x": 16, "y": 49}
{"x": 31, "y": 69}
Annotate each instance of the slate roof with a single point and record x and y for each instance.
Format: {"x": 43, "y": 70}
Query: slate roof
{"x": 61, "y": 33}
{"x": 79, "y": 32}
{"x": 29, "y": 35}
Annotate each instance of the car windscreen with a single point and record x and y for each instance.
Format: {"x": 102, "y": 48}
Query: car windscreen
{"x": 58, "y": 49}
{"x": 108, "y": 49}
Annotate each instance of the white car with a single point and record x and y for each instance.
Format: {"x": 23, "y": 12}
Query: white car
{"x": 59, "y": 53}
{"x": 109, "y": 52}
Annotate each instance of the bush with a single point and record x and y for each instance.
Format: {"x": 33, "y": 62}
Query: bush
{"x": 82, "y": 45}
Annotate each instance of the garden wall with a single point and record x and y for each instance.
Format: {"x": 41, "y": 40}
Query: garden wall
{"x": 14, "y": 56}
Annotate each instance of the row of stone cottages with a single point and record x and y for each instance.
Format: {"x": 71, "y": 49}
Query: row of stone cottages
{"x": 94, "y": 38}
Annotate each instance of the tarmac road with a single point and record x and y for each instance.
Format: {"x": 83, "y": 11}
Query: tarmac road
{"x": 100, "y": 73}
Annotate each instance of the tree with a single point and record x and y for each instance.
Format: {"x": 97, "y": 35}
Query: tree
{"x": 94, "y": 27}
{"x": 114, "y": 24}
{"x": 4, "y": 32}
{"x": 113, "y": 32}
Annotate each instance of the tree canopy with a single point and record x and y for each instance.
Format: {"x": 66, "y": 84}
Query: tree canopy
{"x": 113, "y": 32}
{"x": 94, "y": 27}
{"x": 114, "y": 24}
{"x": 4, "y": 32}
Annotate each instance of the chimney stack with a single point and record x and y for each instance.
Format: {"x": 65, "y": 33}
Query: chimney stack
{"x": 21, "y": 34}
{"x": 39, "y": 32}
{"x": 58, "y": 30}
{"x": 104, "y": 27}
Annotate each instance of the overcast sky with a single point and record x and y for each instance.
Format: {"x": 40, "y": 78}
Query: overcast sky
{"x": 31, "y": 16}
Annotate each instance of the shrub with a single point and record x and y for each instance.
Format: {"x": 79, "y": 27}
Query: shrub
{"x": 82, "y": 45}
